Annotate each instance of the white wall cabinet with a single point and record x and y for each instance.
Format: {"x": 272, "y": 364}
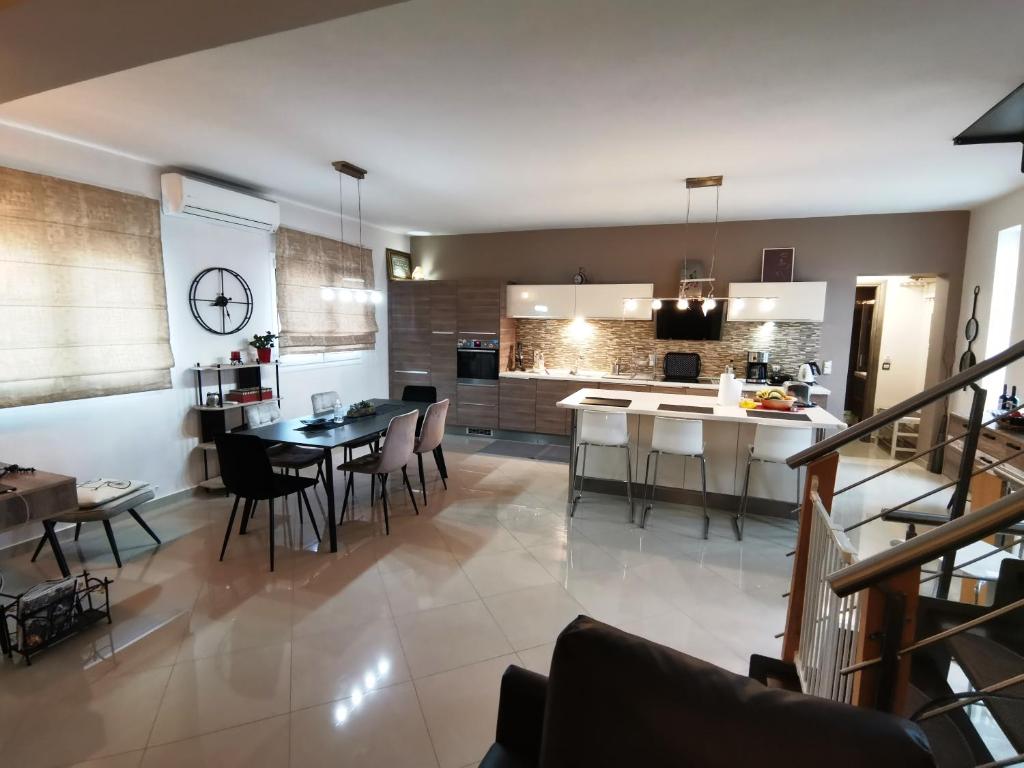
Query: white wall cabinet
{"x": 606, "y": 301}
{"x": 551, "y": 302}
{"x": 792, "y": 302}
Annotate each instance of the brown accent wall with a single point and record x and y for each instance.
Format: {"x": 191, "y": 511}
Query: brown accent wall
{"x": 835, "y": 249}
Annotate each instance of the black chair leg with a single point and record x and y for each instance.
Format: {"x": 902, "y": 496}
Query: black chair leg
{"x": 39, "y": 547}
{"x": 271, "y": 502}
{"x": 78, "y": 530}
{"x": 145, "y": 527}
{"x": 309, "y": 511}
{"x": 349, "y": 484}
{"x": 384, "y": 502}
{"x": 423, "y": 484}
{"x": 58, "y": 553}
{"x": 231, "y": 522}
{"x": 113, "y": 542}
{"x": 408, "y": 487}
{"x": 441, "y": 468}
{"x": 247, "y": 513}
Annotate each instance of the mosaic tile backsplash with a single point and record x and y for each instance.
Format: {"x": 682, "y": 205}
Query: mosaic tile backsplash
{"x": 602, "y": 342}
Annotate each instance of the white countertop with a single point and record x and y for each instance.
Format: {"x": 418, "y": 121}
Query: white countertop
{"x": 646, "y": 404}
{"x": 560, "y": 374}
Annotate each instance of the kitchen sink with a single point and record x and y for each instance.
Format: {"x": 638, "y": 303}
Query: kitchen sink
{"x": 628, "y": 376}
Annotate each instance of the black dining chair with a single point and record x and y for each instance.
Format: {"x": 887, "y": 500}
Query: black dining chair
{"x": 419, "y": 393}
{"x": 247, "y": 473}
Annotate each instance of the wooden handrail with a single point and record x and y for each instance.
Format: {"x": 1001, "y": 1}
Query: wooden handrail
{"x": 921, "y": 549}
{"x": 911, "y": 404}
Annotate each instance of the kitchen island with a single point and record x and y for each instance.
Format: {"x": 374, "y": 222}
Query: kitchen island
{"x": 728, "y": 433}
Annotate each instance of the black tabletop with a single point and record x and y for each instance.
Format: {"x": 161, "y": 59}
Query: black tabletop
{"x": 292, "y": 432}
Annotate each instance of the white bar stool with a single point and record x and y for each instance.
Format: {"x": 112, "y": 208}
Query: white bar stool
{"x": 772, "y": 445}
{"x": 606, "y": 430}
{"x": 675, "y": 437}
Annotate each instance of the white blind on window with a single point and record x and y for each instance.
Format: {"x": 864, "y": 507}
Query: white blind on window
{"x": 83, "y": 306}
{"x": 309, "y": 322}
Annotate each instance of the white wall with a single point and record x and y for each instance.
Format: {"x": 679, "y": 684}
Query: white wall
{"x": 152, "y": 435}
{"x": 979, "y": 269}
{"x": 906, "y": 324}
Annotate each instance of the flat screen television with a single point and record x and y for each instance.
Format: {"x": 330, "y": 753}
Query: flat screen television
{"x": 690, "y": 324}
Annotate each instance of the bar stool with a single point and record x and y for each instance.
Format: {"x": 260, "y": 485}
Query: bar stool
{"x": 605, "y": 430}
{"x": 772, "y": 445}
{"x": 676, "y": 437}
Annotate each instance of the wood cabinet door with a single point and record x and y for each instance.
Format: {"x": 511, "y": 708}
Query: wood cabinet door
{"x": 517, "y": 399}
{"x": 443, "y": 338}
{"x": 550, "y": 419}
{"x": 478, "y": 405}
{"x": 409, "y": 347}
{"x": 478, "y": 307}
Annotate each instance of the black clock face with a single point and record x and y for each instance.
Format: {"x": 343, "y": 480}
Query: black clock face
{"x": 220, "y": 300}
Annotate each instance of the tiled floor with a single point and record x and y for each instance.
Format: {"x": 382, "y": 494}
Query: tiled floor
{"x": 389, "y": 652}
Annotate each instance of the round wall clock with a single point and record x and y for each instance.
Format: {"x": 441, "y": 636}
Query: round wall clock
{"x": 220, "y": 300}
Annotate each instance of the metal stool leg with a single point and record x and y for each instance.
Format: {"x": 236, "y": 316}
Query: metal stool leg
{"x": 629, "y": 485}
{"x": 113, "y": 542}
{"x": 145, "y": 527}
{"x": 704, "y": 494}
{"x": 578, "y": 496}
{"x": 738, "y": 519}
{"x": 231, "y": 522}
{"x": 271, "y": 502}
{"x": 647, "y": 490}
{"x": 654, "y": 485}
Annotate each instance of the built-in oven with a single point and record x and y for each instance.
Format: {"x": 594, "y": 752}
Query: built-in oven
{"x": 477, "y": 361}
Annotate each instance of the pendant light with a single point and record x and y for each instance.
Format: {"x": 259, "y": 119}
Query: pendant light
{"x": 357, "y": 292}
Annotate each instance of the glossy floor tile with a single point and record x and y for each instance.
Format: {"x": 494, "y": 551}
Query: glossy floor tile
{"x": 390, "y": 651}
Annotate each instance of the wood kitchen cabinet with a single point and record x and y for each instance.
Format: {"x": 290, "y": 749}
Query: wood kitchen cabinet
{"x": 409, "y": 338}
{"x": 517, "y": 400}
{"x": 478, "y": 404}
{"x": 479, "y": 304}
{"x": 550, "y": 419}
{"x": 443, "y": 336}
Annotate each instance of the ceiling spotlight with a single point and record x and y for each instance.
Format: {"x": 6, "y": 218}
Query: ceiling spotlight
{"x": 376, "y": 297}
{"x": 767, "y": 304}
{"x": 418, "y": 233}
{"x": 327, "y": 293}
{"x": 630, "y": 305}
{"x": 656, "y": 305}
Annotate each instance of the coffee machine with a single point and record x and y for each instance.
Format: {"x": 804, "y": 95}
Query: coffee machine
{"x": 757, "y": 367}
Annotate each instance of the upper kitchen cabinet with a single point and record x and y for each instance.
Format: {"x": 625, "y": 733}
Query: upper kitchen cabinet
{"x": 794, "y": 302}
{"x": 540, "y": 301}
{"x": 611, "y": 301}
{"x": 479, "y": 305}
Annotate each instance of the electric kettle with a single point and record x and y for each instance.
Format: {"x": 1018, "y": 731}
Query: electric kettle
{"x": 805, "y": 374}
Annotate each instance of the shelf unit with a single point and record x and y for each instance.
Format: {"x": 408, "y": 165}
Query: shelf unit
{"x": 213, "y": 419}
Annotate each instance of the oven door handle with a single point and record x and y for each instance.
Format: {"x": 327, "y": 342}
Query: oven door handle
{"x": 491, "y": 351}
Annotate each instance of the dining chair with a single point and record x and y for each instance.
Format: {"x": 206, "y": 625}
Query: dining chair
{"x": 290, "y": 458}
{"x": 429, "y": 440}
{"x": 420, "y": 393}
{"x": 399, "y": 442}
{"x": 605, "y": 430}
{"x": 323, "y": 403}
{"x": 247, "y": 473}
{"x": 772, "y": 445}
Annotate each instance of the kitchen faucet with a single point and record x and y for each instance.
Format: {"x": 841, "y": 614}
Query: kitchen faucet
{"x": 576, "y": 367}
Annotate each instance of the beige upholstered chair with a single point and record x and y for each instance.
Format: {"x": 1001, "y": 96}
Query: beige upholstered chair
{"x": 399, "y": 441}
{"x": 429, "y": 441}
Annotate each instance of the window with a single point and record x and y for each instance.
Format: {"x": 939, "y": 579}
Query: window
{"x": 315, "y": 322}
{"x": 83, "y": 305}
{"x": 1000, "y": 320}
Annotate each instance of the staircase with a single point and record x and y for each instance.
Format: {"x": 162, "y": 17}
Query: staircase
{"x": 883, "y": 631}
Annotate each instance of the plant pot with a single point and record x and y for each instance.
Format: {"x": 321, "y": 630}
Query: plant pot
{"x": 263, "y": 354}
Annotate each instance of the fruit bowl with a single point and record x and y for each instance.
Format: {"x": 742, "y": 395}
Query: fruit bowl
{"x": 784, "y": 404}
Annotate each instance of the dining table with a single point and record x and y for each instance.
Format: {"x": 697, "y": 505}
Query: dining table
{"x": 352, "y": 431}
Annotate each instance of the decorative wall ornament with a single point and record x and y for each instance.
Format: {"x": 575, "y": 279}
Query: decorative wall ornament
{"x": 220, "y": 300}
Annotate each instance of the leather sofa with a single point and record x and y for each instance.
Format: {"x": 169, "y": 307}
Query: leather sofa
{"x": 614, "y": 699}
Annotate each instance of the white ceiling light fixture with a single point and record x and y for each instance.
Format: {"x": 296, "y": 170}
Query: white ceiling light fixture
{"x": 418, "y": 233}
{"x": 656, "y": 304}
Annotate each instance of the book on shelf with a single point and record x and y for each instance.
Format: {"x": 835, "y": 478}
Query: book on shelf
{"x": 249, "y": 394}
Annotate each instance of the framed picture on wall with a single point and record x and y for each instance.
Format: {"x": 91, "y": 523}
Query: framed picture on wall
{"x": 399, "y": 265}
{"x": 777, "y": 265}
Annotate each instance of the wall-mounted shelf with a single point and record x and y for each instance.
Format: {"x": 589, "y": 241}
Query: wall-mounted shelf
{"x": 229, "y": 366}
{"x": 231, "y": 405}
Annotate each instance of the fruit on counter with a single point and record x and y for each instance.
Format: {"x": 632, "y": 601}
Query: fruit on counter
{"x": 747, "y": 403}
{"x": 773, "y": 393}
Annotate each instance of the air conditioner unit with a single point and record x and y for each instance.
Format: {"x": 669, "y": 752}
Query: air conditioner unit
{"x": 182, "y": 196}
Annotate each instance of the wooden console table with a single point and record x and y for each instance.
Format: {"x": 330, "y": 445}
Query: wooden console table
{"x": 38, "y": 496}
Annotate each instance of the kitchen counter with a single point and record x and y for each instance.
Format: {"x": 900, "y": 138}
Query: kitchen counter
{"x": 561, "y": 374}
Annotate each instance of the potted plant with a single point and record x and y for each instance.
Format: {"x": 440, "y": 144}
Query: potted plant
{"x": 263, "y": 342}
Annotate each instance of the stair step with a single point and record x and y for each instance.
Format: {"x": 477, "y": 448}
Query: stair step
{"x": 985, "y": 662}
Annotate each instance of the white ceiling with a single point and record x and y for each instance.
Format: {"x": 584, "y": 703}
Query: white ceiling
{"x": 479, "y": 115}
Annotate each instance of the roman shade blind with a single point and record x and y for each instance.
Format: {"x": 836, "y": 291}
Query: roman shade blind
{"x": 309, "y": 322}
{"x": 83, "y": 306}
